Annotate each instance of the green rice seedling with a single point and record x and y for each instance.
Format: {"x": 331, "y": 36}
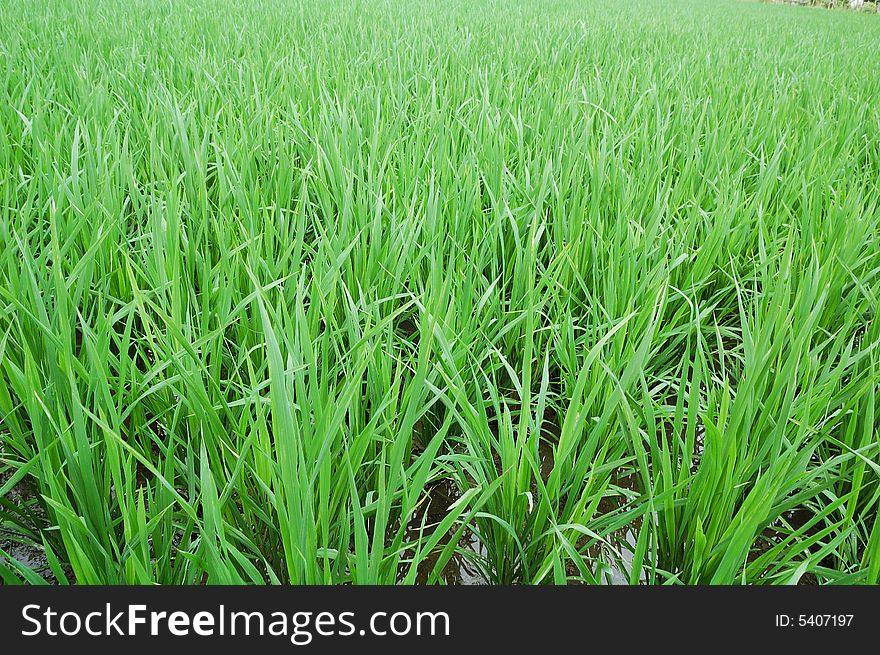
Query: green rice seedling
{"x": 381, "y": 292}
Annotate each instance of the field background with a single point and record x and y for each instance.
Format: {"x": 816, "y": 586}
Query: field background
{"x": 439, "y": 291}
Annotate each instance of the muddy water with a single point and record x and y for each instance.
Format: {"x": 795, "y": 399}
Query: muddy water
{"x": 30, "y": 555}
{"x": 777, "y": 532}
{"x": 459, "y": 570}
{"x": 611, "y": 562}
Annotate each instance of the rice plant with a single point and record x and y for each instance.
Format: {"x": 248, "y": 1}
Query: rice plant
{"x": 381, "y": 291}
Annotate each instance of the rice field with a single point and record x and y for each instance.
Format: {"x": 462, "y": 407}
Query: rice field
{"x": 439, "y": 292}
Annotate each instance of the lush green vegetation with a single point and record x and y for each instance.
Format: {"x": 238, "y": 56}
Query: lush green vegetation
{"x": 326, "y": 292}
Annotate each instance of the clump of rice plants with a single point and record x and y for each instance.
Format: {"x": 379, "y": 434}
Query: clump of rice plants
{"x": 368, "y": 292}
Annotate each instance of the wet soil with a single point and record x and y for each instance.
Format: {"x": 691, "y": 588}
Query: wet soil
{"x": 460, "y": 569}
{"x": 31, "y": 555}
{"x": 777, "y": 532}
